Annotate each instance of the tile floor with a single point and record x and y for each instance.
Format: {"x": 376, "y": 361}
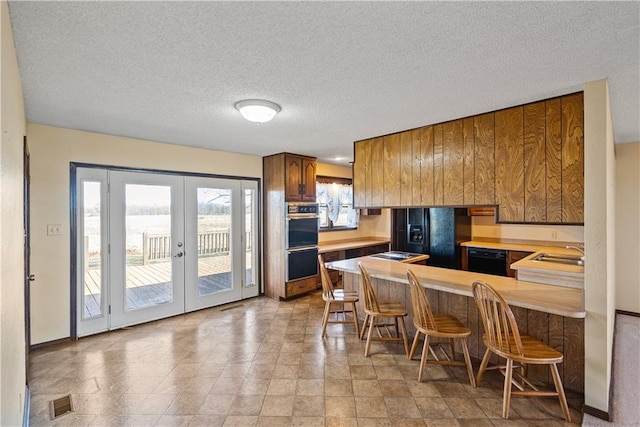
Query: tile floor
{"x": 263, "y": 363}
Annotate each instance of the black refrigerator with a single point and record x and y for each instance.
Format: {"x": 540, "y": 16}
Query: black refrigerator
{"x": 437, "y": 232}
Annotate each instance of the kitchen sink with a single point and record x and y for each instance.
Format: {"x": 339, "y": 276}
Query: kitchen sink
{"x": 561, "y": 259}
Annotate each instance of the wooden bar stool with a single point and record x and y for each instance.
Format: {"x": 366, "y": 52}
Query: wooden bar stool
{"x": 333, "y": 296}
{"x": 375, "y": 310}
{"x": 437, "y": 326}
{"x": 502, "y": 337}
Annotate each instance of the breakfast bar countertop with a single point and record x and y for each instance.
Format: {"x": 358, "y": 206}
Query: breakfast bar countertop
{"x": 567, "y": 302}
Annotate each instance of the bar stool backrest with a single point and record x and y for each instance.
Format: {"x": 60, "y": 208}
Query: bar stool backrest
{"x": 500, "y": 327}
{"x": 422, "y": 314}
{"x": 327, "y": 285}
{"x": 370, "y": 299}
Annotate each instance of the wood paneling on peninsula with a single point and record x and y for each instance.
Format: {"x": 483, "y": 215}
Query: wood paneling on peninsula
{"x": 563, "y": 333}
{"x": 528, "y": 160}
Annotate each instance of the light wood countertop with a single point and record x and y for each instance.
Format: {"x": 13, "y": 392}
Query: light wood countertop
{"x": 525, "y": 247}
{"x": 342, "y": 245}
{"x": 563, "y": 301}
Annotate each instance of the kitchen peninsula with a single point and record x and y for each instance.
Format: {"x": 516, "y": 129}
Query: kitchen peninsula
{"x": 551, "y": 314}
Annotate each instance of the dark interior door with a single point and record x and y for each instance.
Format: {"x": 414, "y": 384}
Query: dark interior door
{"x": 27, "y": 254}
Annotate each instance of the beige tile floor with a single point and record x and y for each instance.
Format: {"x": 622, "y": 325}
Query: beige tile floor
{"x": 263, "y": 363}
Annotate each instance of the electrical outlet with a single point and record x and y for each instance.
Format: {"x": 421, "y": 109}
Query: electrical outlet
{"x": 54, "y": 229}
{"x": 554, "y": 235}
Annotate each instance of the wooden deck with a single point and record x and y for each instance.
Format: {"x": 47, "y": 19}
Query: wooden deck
{"x": 151, "y": 284}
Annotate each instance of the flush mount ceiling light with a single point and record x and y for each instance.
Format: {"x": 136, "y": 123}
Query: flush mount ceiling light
{"x": 257, "y": 110}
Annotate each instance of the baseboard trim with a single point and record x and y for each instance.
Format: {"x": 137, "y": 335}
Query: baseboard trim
{"x": 628, "y": 313}
{"x": 49, "y": 343}
{"x": 27, "y": 406}
{"x": 596, "y": 413}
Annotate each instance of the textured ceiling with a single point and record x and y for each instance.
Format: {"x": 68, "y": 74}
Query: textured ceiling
{"x": 171, "y": 71}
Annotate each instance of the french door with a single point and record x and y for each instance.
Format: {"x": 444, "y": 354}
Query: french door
{"x": 152, "y": 245}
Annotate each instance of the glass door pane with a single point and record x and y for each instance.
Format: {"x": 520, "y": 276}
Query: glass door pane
{"x": 214, "y": 240}
{"x": 213, "y": 225}
{"x": 250, "y": 238}
{"x": 147, "y": 246}
{"x": 92, "y": 251}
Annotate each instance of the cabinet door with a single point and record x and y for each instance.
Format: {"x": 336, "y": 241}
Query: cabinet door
{"x": 293, "y": 178}
{"x": 438, "y": 166}
{"x": 553, "y": 164}
{"x": 573, "y": 159}
{"x": 453, "y": 163}
{"x": 406, "y": 169}
{"x": 375, "y": 186}
{"x": 515, "y": 256}
{"x": 484, "y": 166}
{"x": 308, "y": 180}
{"x": 535, "y": 206}
{"x": 391, "y": 169}
{"x": 361, "y": 177}
{"x": 510, "y": 164}
{"x": 426, "y": 167}
{"x": 469, "y": 161}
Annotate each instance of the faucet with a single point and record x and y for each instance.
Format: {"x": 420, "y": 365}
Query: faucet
{"x": 577, "y": 246}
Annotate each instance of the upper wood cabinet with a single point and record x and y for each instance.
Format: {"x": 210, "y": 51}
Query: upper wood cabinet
{"x": 528, "y": 160}
{"x": 300, "y": 178}
{"x": 509, "y": 166}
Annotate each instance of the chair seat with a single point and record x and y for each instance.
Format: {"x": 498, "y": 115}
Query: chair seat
{"x": 388, "y": 309}
{"x": 535, "y": 352}
{"x": 447, "y": 327}
{"x": 340, "y": 298}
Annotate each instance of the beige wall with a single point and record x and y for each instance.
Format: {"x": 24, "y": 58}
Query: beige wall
{"x": 599, "y": 234}
{"x": 368, "y": 225}
{"x": 628, "y": 227}
{"x": 485, "y": 227}
{"x": 52, "y": 150}
{"x": 12, "y": 341}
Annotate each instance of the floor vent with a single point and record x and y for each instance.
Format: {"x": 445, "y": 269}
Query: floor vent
{"x": 60, "y": 407}
{"x": 232, "y": 307}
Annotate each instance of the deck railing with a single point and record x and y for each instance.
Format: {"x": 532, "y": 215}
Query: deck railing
{"x": 157, "y": 247}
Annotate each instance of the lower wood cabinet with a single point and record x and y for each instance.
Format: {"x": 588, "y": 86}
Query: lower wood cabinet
{"x": 515, "y": 256}
{"x": 302, "y": 286}
{"x": 367, "y": 250}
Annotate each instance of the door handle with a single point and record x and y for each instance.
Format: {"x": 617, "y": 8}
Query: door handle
{"x": 179, "y": 254}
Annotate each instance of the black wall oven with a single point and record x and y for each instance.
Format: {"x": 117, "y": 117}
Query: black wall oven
{"x": 301, "y": 240}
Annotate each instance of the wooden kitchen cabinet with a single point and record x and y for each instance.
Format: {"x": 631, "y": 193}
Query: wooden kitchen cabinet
{"x": 528, "y": 160}
{"x": 515, "y": 256}
{"x": 391, "y": 170}
{"x": 300, "y": 178}
{"x": 573, "y": 158}
{"x": 482, "y": 211}
{"x": 453, "y": 163}
{"x": 484, "y": 161}
{"x": 509, "y": 166}
{"x": 282, "y": 173}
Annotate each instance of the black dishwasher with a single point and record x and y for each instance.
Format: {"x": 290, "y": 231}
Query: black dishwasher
{"x": 490, "y": 261}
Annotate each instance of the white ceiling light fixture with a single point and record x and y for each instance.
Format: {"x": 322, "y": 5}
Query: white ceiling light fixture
{"x": 257, "y": 110}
